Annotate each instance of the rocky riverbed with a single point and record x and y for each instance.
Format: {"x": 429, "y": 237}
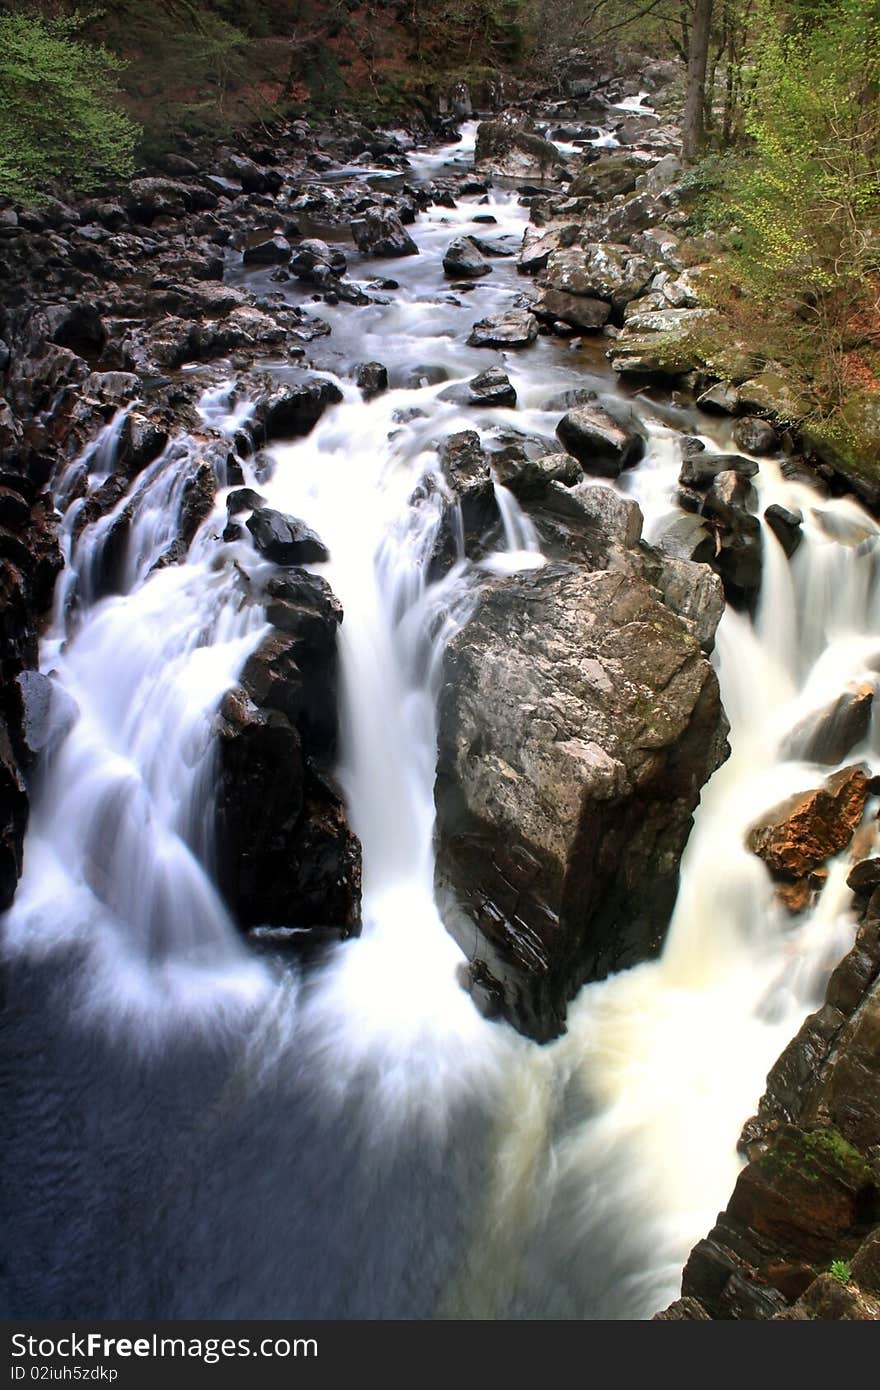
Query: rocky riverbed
{"x": 162, "y": 340}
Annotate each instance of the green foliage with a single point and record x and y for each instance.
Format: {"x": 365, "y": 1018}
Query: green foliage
{"x": 805, "y": 202}
{"x": 841, "y": 1270}
{"x": 58, "y": 116}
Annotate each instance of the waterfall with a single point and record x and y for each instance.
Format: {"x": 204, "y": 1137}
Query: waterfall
{"x": 563, "y": 1181}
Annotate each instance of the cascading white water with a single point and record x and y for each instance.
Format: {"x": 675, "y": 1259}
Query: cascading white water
{"x": 616, "y": 1144}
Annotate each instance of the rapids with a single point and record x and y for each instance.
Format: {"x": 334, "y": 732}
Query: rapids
{"x": 191, "y": 1134}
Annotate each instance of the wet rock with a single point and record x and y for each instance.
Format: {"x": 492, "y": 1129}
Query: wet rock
{"x": 372, "y": 378}
{"x": 580, "y": 311}
{"x": 516, "y": 328}
{"x": 141, "y": 441}
{"x": 720, "y": 399}
{"x": 287, "y": 856}
{"x": 196, "y": 503}
{"x": 244, "y": 499}
{"x": 700, "y": 468}
{"x": 793, "y": 1211}
{"x": 316, "y": 262}
{"x": 756, "y": 436}
{"x": 786, "y": 526}
{"x": 529, "y": 479}
{"x": 490, "y": 388}
{"x": 738, "y": 555}
{"x": 270, "y": 248}
{"x": 599, "y": 271}
{"x": 578, "y": 720}
{"x": 284, "y": 539}
{"x": 601, "y": 444}
{"x": 13, "y": 818}
{"x": 507, "y": 149}
{"x": 830, "y": 734}
{"x": 864, "y": 877}
{"x": 379, "y": 232}
{"x": 464, "y": 261}
{"x": 291, "y": 411}
{"x": 799, "y": 835}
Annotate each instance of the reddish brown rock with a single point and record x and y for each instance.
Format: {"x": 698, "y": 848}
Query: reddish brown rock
{"x": 797, "y": 836}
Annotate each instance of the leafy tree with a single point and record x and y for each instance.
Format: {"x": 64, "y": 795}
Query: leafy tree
{"x": 58, "y": 112}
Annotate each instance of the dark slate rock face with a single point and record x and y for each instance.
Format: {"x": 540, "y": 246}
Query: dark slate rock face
{"x": 578, "y": 721}
{"x": 287, "y": 856}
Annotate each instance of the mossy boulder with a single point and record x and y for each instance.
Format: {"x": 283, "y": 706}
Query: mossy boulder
{"x": 849, "y": 443}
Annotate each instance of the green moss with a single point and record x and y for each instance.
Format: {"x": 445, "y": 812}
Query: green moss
{"x": 849, "y": 439}
{"x": 816, "y": 1155}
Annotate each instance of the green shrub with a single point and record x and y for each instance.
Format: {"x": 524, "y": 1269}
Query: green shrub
{"x": 58, "y": 112}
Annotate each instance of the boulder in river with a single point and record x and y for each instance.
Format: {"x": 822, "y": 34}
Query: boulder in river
{"x": 285, "y": 540}
{"x": 578, "y": 310}
{"x": 507, "y": 149}
{"x": 372, "y": 378}
{"x": 287, "y": 412}
{"x": 380, "y": 232}
{"x": 578, "y": 720}
{"x": 464, "y": 261}
{"x": 516, "y": 328}
{"x": 287, "y": 857}
{"x": 601, "y": 444}
{"x": 755, "y": 435}
{"x": 317, "y": 263}
{"x": 599, "y": 271}
{"x": 829, "y": 734}
{"x": 804, "y": 831}
{"x": 489, "y": 388}
{"x": 268, "y": 248}
{"x": 786, "y": 526}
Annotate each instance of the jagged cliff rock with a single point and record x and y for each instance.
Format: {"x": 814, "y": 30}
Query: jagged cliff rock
{"x": 578, "y": 720}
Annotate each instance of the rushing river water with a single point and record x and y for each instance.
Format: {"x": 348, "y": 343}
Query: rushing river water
{"x": 190, "y": 1133}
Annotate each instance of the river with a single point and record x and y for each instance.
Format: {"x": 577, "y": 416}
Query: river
{"x": 192, "y": 1133}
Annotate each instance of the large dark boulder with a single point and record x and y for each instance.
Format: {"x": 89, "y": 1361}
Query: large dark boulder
{"x": 464, "y": 261}
{"x": 291, "y": 411}
{"x": 285, "y": 540}
{"x": 287, "y": 856}
{"x": 601, "y": 444}
{"x": 578, "y": 720}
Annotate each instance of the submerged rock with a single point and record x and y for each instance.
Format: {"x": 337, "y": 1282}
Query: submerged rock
{"x": 578, "y": 720}
{"x": 830, "y": 734}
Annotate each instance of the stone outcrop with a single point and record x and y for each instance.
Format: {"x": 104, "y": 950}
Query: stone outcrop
{"x": 800, "y": 1236}
{"x": 578, "y": 720}
{"x": 286, "y": 856}
{"x": 507, "y": 149}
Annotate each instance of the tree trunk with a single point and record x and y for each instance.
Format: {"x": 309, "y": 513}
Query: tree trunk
{"x": 698, "y": 54}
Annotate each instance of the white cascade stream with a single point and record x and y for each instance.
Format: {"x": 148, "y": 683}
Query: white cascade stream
{"x": 615, "y": 1146}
